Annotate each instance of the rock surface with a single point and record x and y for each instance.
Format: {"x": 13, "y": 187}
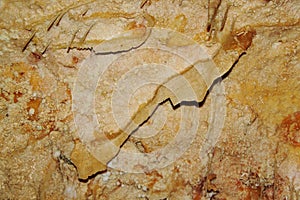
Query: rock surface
{"x": 241, "y": 142}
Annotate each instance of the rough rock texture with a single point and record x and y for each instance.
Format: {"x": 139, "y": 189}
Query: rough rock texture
{"x": 255, "y": 156}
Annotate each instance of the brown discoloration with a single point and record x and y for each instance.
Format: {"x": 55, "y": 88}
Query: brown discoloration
{"x": 34, "y": 57}
{"x": 16, "y": 96}
{"x": 49, "y": 125}
{"x": 252, "y": 193}
{"x": 112, "y": 135}
{"x": 142, "y": 147}
{"x": 268, "y": 193}
{"x": 290, "y": 128}
{"x": 210, "y": 185}
{"x": 248, "y": 191}
{"x": 151, "y": 21}
{"x": 92, "y": 189}
{"x": 239, "y": 39}
{"x": 154, "y": 176}
{"x": 17, "y": 71}
{"x": 244, "y": 38}
{"x": 75, "y": 60}
{"x": 204, "y": 186}
{"x": 4, "y": 96}
{"x": 33, "y": 104}
{"x": 133, "y": 25}
{"x": 198, "y": 190}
